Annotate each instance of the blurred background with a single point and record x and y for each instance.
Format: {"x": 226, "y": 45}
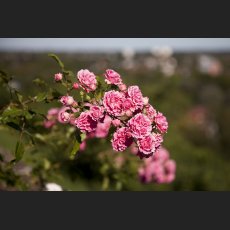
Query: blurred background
{"x": 187, "y": 79}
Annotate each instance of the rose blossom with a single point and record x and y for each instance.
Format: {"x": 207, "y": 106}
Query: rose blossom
{"x": 51, "y": 118}
{"x": 67, "y": 100}
{"x": 159, "y": 169}
{"x": 136, "y": 96}
{"x": 112, "y": 102}
{"x": 53, "y": 112}
{"x": 75, "y": 85}
{"x": 121, "y": 139}
{"x": 150, "y": 112}
{"x": 49, "y": 124}
{"x": 63, "y": 116}
{"x": 146, "y": 144}
{"x": 158, "y": 139}
{"x": 87, "y": 80}
{"x": 161, "y": 122}
{"x": 116, "y": 122}
{"x": 112, "y": 77}
{"x": 140, "y": 125}
{"x": 170, "y": 166}
{"x": 161, "y": 155}
{"x": 85, "y": 123}
{"x": 169, "y": 178}
{"x": 128, "y": 105}
{"x": 102, "y": 129}
{"x": 58, "y": 77}
{"x": 96, "y": 112}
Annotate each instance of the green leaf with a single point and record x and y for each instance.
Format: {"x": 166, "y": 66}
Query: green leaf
{"x": 19, "y": 151}
{"x": 75, "y": 149}
{"x": 69, "y": 73}
{"x": 101, "y": 82}
{"x": 28, "y": 115}
{"x": 14, "y": 125}
{"x": 19, "y": 96}
{"x": 78, "y": 135}
{"x": 13, "y": 112}
{"x": 41, "y": 97}
{"x": 56, "y": 94}
{"x": 56, "y": 58}
{"x": 83, "y": 136}
{"x": 46, "y": 164}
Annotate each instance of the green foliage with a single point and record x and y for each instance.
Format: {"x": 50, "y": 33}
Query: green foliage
{"x": 19, "y": 151}
{"x": 56, "y": 58}
{"x": 75, "y": 149}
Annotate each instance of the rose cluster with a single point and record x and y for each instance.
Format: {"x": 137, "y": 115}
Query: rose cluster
{"x": 134, "y": 118}
{"x": 158, "y": 168}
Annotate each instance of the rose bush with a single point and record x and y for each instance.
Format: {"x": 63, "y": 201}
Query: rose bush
{"x": 91, "y": 107}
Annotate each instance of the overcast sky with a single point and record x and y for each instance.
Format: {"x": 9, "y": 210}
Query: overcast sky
{"x": 113, "y": 44}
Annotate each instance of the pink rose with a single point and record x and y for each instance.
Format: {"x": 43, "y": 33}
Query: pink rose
{"x": 155, "y": 172}
{"x": 87, "y": 80}
{"x": 102, "y": 129}
{"x": 128, "y": 105}
{"x": 112, "y": 77}
{"x": 75, "y": 85}
{"x": 150, "y": 172}
{"x": 161, "y": 155}
{"x": 158, "y": 139}
{"x": 169, "y": 178}
{"x": 49, "y": 124}
{"x": 136, "y": 96}
{"x": 170, "y": 166}
{"x": 146, "y": 144}
{"x": 161, "y": 122}
{"x": 158, "y": 168}
{"x": 51, "y": 118}
{"x": 140, "y": 125}
{"x": 63, "y": 116}
{"x": 96, "y": 112}
{"x": 67, "y": 100}
{"x": 58, "y": 77}
{"x": 112, "y": 102}
{"x": 85, "y": 123}
{"x": 116, "y": 122}
{"x": 150, "y": 112}
{"x": 52, "y": 113}
{"x": 121, "y": 139}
